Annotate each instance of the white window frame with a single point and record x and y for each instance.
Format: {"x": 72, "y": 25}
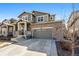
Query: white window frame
{"x": 43, "y": 18}
{"x": 40, "y": 18}
{"x": 52, "y": 17}
{"x": 24, "y": 18}
{"x": 31, "y": 18}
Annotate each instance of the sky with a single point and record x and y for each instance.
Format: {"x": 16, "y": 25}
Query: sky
{"x": 12, "y": 10}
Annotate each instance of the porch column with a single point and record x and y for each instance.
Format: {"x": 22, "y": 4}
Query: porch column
{"x": 14, "y": 32}
{"x": 18, "y": 28}
{"x": 32, "y": 33}
{"x": 7, "y": 30}
{"x": 25, "y": 29}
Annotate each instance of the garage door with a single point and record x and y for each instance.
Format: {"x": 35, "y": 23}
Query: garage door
{"x": 42, "y": 34}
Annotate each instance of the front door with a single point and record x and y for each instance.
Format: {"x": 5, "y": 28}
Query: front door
{"x": 22, "y": 25}
{"x": 10, "y": 31}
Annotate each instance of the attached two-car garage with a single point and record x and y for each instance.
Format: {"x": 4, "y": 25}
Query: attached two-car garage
{"x": 49, "y": 30}
{"x": 42, "y": 33}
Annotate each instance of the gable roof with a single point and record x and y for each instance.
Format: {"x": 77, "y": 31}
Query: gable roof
{"x": 12, "y": 19}
{"x": 4, "y": 20}
{"x": 3, "y": 24}
{"x": 39, "y": 12}
{"x": 23, "y": 13}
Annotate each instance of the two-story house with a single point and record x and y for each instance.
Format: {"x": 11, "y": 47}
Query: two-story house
{"x": 40, "y": 25}
{"x": 8, "y": 27}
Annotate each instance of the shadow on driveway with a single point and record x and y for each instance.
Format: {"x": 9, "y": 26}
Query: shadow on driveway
{"x": 39, "y": 45}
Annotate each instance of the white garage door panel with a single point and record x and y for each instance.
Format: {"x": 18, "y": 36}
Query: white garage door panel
{"x": 43, "y": 34}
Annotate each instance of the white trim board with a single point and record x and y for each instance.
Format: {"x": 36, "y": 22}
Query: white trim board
{"x": 43, "y": 28}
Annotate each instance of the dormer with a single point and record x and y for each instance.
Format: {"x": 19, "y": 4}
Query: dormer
{"x": 52, "y": 17}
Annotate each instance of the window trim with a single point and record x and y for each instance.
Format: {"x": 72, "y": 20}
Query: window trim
{"x": 24, "y": 18}
{"x": 40, "y": 18}
{"x": 43, "y": 18}
{"x": 31, "y": 18}
{"x": 52, "y": 17}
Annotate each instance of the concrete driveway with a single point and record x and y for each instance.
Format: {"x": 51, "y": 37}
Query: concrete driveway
{"x": 31, "y": 47}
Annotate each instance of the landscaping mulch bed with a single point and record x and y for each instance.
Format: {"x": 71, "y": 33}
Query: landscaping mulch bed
{"x": 60, "y": 51}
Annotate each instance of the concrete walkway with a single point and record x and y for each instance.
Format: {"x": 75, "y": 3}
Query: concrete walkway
{"x": 32, "y": 47}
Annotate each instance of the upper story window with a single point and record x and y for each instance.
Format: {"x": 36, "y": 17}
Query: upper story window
{"x": 52, "y": 17}
{"x": 28, "y": 18}
{"x": 40, "y": 19}
{"x": 25, "y": 17}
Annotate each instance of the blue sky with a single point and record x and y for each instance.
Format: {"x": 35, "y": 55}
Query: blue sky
{"x": 12, "y": 10}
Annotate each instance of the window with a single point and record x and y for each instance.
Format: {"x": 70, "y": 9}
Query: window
{"x": 25, "y": 17}
{"x": 52, "y": 17}
{"x": 40, "y": 18}
{"x": 29, "y": 17}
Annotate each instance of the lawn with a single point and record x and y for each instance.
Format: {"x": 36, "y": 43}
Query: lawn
{"x": 2, "y": 41}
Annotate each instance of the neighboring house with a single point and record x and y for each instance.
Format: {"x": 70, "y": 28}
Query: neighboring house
{"x": 39, "y": 25}
{"x": 73, "y": 24}
{"x": 4, "y": 29}
{"x": 7, "y": 27}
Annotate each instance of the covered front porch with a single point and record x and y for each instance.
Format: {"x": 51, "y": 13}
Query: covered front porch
{"x": 23, "y": 28}
{"x": 10, "y": 30}
{"x": 7, "y": 31}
